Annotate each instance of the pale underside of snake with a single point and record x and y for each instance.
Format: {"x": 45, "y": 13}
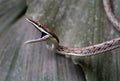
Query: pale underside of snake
{"x": 47, "y": 34}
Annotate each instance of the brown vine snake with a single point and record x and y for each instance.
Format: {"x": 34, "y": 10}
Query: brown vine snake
{"x": 48, "y": 35}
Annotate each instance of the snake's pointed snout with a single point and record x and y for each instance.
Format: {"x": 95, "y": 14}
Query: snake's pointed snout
{"x": 30, "y": 20}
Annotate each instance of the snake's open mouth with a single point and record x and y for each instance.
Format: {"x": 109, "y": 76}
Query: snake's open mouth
{"x": 44, "y": 35}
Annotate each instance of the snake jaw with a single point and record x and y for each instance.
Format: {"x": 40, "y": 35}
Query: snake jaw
{"x": 37, "y": 25}
{"x": 44, "y": 29}
{"x": 38, "y": 40}
{"x": 45, "y": 35}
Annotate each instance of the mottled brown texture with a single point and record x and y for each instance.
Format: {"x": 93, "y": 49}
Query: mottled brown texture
{"x": 90, "y": 50}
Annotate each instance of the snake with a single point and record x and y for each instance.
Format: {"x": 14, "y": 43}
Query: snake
{"x": 49, "y": 36}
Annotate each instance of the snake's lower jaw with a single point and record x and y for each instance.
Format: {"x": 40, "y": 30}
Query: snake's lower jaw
{"x": 33, "y": 41}
{"x": 38, "y": 40}
{"x": 30, "y": 41}
{"x": 50, "y": 44}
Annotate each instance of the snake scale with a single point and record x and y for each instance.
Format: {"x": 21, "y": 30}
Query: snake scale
{"x": 47, "y": 34}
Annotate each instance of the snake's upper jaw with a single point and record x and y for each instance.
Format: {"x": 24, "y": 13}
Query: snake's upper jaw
{"x": 44, "y": 34}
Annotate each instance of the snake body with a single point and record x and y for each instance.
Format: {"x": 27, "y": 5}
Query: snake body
{"x": 90, "y": 50}
{"x": 85, "y": 51}
{"x": 110, "y": 15}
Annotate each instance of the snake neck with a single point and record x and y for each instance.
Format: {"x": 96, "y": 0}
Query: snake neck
{"x": 52, "y": 43}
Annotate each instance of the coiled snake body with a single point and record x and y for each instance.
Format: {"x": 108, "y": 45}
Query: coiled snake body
{"x": 47, "y": 34}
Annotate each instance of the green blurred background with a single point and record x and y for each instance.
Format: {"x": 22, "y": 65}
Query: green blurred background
{"x": 77, "y": 23}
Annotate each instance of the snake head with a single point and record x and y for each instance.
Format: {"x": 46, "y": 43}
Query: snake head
{"x": 46, "y": 33}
